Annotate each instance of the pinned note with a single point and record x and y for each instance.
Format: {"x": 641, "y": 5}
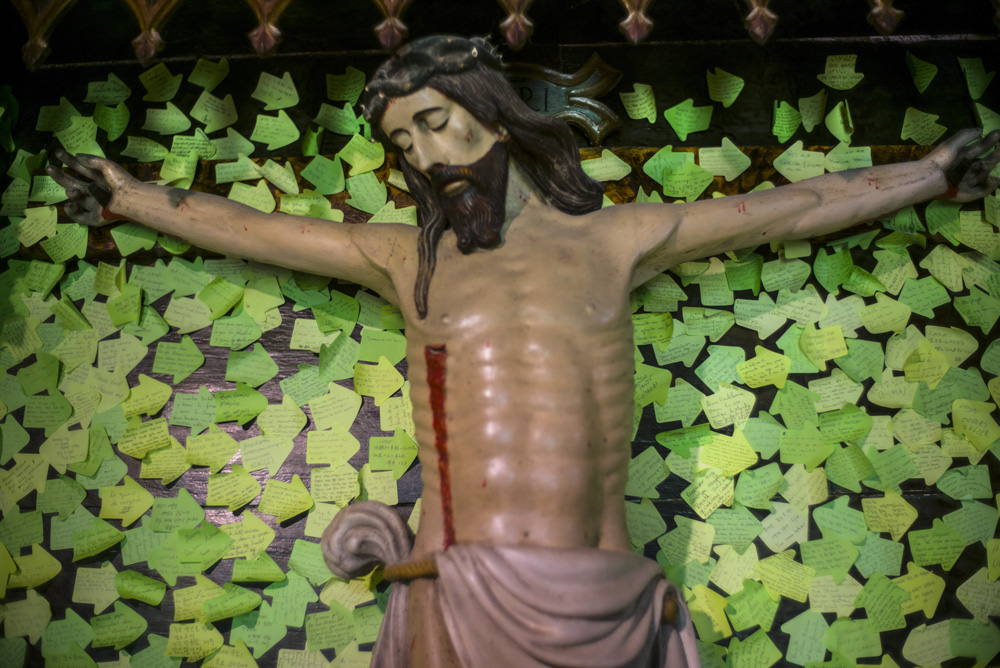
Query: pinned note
{"x": 840, "y": 73}
{"x": 640, "y": 104}
{"x": 275, "y": 92}
{"x": 685, "y": 118}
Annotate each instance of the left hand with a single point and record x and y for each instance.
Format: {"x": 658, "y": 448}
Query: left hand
{"x": 958, "y": 158}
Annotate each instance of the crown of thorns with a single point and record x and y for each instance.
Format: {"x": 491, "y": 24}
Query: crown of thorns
{"x": 415, "y": 63}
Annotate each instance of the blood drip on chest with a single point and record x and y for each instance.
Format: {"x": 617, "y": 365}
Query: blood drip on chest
{"x": 436, "y": 358}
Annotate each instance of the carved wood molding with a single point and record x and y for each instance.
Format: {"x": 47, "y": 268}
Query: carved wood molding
{"x": 392, "y": 31}
{"x": 636, "y": 25}
{"x": 571, "y": 96}
{"x": 152, "y": 15}
{"x": 761, "y": 21}
{"x": 884, "y": 17}
{"x": 266, "y": 36}
{"x": 40, "y": 17}
{"x": 517, "y": 27}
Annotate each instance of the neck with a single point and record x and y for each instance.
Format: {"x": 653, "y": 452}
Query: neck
{"x": 519, "y": 193}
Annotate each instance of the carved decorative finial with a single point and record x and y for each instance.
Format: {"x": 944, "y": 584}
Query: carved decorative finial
{"x": 392, "y": 31}
{"x": 40, "y": 17}
{"x": 884, "y": 17}
{"x": 517, "y": 27}
{"x": 760, "y": 22}
{"x": 636, "y": 25}
{"x": 266, "y": 36}
{"x": 152, "y": 15}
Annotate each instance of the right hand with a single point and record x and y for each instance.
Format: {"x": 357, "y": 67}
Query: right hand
{"x": 92, "y": 184}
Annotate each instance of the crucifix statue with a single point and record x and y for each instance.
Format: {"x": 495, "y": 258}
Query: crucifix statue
{"x": 515, "y": 290}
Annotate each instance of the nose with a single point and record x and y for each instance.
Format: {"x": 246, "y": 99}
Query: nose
{"x": 427, "y": 156}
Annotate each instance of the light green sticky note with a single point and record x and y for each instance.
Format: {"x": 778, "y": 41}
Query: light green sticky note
{"x": 232, "y": 145}
{"x": 208, "y": 75}
{"x": 261, "y": 569}
{"x": 347, "y": 86}
{"x": 367, "y": 193}
{"x": 839, "y": 122}
{"x": 69, "y": 241}
{"x": 971, "y": 638}
{"x": 96, "y": 586}
{"x": 80, "y": 136}
{"x": 976, "y": 77}
{"x": 840, "y": 74}
{"x": 729, "y": 405}
{"x": 282, "y": 178}
{"x": 221, "y": 295}
{"x": 33, "y": 570}
{"x": 689, "y": 181}
{"x": 382, "y": 343}
{"x": 253, "y": 367}
{"x": 921, "y": 127}
{"x": 144, "y": 149}
{"x": 796, "y": 164}
{"x": 665, "y": 158}
{"x": 112, "y": 120}
{"x": 167, "y": 121}
{"x": 178, "y": 359}
{"x": 132, "y": 237}
{"x": 160, "y": 84}
{"x": 644, "y": 522}
{"x": 812, "y": 109}
{"x": 978, "y": 309}
{"x": 607, "y": 167}
{"x": 55, "y": 117}
{"x": 921, "y": 71}
{"x": 213, "y": 449}
{"x": 276, "y": 92}
{"x": 193, "y": 410}
{"x": 215, "y": 113}
{"x": 167, "y": 464}
{"x": 723, "y": 87}
{"x": 110, "y": 92}
{"x": 390, "y": 214}
{"x": 939, "y": 545}
{"x": 327, "y": 175}
{"x": 362, "y": 155}
{"x": 94, "y": 539}
{"x": 193, "y": 641}
{"x": 341, "y": 121}
{"x": 275, "y": 131}
{"x": 259, "y": 197}
{"x": 989, "y": 120}
{"x": 640, "y": 104}
{"x": 727, "y": 160}
{"x": 786, "y": 119}
{"x": 285, "y": 500}
{"x": 686, "y": 118}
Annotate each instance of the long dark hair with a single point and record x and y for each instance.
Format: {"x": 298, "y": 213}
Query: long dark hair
{"x": 469, "y": 72}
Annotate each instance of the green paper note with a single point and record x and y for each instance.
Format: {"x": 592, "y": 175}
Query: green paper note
{"x": 685, "y": 118}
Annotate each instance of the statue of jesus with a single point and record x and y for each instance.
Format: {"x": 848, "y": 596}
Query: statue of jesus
{"x": 515, "y": 291}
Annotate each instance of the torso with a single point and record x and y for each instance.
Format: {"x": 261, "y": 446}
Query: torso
{"x": 538, "y": 386}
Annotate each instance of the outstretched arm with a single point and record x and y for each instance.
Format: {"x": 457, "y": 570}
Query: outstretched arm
{"x": 667, "y": 235}
{"x": 100, "y": 191}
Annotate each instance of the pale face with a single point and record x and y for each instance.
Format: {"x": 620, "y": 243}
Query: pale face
{"x": 434, "y": 131}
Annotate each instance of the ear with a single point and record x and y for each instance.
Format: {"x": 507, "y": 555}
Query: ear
{"x": 502, "y": 133}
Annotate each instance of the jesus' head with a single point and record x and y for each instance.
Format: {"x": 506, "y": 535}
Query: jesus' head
{"x": 444, "y": 103}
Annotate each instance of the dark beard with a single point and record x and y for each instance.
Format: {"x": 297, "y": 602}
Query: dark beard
{"x": 477, "y": 214}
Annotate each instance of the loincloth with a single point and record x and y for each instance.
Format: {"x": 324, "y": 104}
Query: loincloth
{"x": 528, "y": 606}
